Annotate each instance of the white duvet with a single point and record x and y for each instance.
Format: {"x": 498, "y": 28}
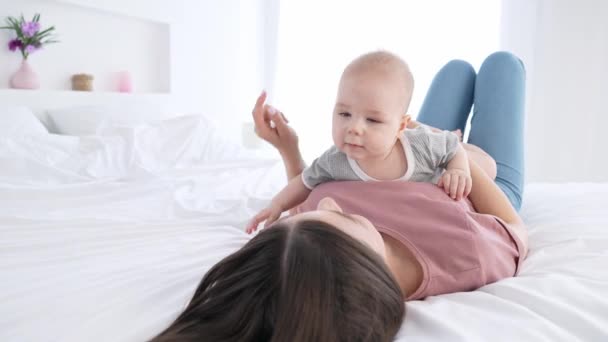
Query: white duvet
{"x": 105, "y": 238}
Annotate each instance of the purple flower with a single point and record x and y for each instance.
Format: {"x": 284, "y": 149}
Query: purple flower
{"x": 14, "y": 44}
{"x": 30, "y": 48}
{"x": 30, "y": 28}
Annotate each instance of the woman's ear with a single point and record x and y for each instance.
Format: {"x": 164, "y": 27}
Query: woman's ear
{"x": 328, "y": 203}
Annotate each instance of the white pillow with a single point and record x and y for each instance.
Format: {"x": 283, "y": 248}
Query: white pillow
{"x": 180, "y": 142}
{"x": 88, "y": 120}
{"x": 19, "y": 120}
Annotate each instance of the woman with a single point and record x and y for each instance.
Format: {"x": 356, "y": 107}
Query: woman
{"x": 340, "y": 268}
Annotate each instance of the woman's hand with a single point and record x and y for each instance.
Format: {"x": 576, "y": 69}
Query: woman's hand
{"x": 457, "y": 183}
{"x": 269, "y": 214}
{"x": 279, "y": 135}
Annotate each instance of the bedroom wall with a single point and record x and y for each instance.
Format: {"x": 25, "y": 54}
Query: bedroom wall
{"x": 564, "y": 45}
{"x": 213, "y": 49}
{"x": 221, "y": 54}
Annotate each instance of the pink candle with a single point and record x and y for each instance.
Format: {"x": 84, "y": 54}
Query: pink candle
{"x": 125, "y": 82}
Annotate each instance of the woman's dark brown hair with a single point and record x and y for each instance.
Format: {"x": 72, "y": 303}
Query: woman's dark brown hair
{"x": 300, "y": 282}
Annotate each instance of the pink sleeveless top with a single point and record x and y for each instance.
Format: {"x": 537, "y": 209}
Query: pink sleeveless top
{"x": 458, "y": 248}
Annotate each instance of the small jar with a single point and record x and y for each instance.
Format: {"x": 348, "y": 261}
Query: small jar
{"x": 82, "y": 82}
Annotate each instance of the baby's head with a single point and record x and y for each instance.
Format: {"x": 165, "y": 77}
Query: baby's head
{"x": 370, "y": 112}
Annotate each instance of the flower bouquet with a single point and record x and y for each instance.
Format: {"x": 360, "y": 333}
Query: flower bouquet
{"x": 29, "y": 38}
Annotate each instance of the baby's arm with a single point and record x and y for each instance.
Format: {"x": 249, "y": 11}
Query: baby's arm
{"x": 456, "y": 180}
{"x": 293, "y": 194}
{"x": 460, "y": 160}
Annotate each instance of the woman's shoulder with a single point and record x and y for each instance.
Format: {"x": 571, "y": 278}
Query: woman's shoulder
{"x": 385, "y": 198}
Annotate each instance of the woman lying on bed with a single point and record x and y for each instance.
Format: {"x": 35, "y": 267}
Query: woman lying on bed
{"x": 341, "y": 268}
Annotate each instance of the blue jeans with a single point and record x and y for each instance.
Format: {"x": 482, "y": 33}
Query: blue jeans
{"x": 497, "y": 126}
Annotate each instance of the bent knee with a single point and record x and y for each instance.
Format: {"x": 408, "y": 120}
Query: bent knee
{"x": 504, "y": 58}
{"x": 483, "y": 159}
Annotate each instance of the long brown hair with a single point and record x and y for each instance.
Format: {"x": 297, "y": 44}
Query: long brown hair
{"x": 300, "y": 282}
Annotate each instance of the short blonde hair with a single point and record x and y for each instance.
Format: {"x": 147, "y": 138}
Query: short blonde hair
{"x": 386, "y": 62}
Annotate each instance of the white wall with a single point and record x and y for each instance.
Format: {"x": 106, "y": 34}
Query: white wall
{"x": 218, "y": 60}
{"x": 564, "y": 45}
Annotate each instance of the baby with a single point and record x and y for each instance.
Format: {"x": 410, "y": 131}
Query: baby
{"x": 373, "y": 140}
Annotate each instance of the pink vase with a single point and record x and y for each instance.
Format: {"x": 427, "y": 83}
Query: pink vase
{"x": 25, "y": 77}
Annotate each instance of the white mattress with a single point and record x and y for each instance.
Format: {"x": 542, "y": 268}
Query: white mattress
{"x": 106, "y": 238}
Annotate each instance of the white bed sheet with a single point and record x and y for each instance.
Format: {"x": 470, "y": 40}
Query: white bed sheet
{"x": 101, "y": 240}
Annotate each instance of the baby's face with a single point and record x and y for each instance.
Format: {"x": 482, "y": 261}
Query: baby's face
{"x": 369, "y": 115}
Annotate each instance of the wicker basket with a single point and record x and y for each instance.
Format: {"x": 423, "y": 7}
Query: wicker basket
{"x": 82, "y": 82}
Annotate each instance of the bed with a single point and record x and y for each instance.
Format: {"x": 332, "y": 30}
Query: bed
{"x": 105, "y": 236}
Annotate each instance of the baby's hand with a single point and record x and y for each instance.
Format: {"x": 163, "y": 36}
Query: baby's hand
{"x": 458, "y": 133}
{"x": 270, "y": 214}
{"x": 457, "y": 183}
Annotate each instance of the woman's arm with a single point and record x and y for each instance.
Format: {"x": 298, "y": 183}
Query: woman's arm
{"x": 488, "y": 198}
{"x": 281, "y": 136}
